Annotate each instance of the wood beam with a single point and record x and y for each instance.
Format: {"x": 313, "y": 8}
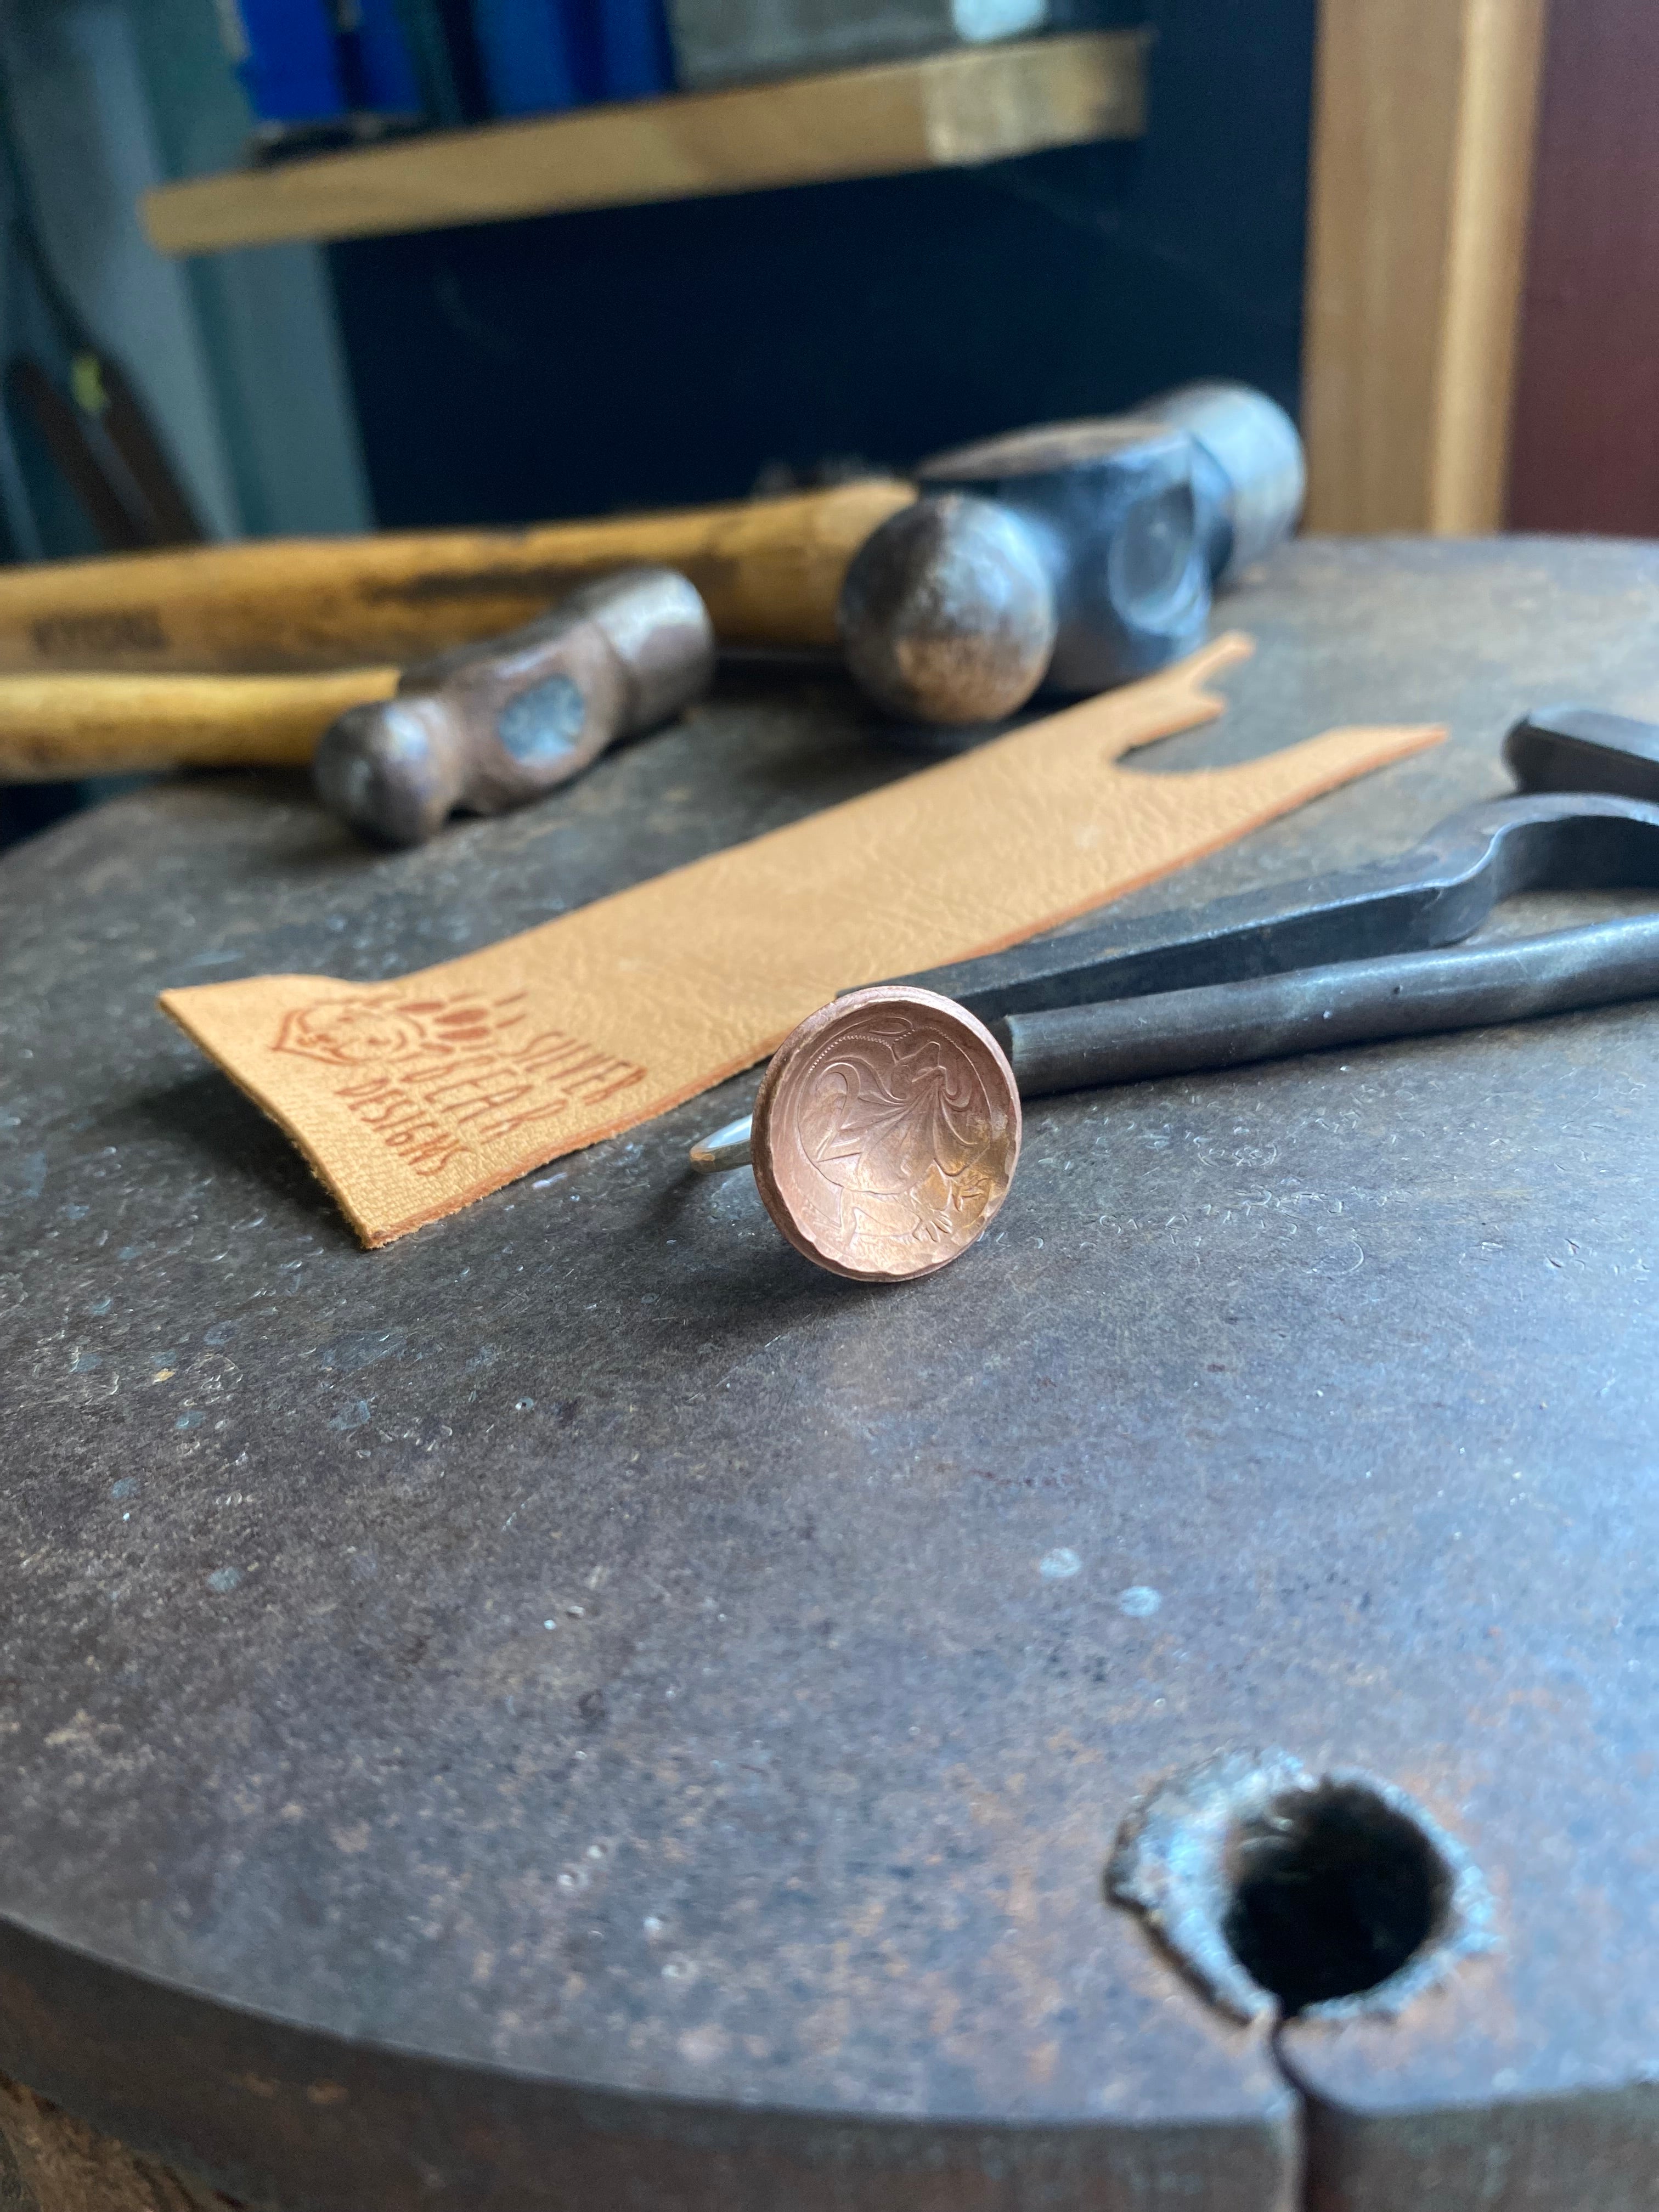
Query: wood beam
{"x": 1425, "y": 122}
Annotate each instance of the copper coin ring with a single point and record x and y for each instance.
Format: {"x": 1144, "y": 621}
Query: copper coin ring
{"x": 886, "y": 1133}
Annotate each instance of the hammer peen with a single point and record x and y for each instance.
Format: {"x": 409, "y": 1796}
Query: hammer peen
{"x": 492, "y": 727}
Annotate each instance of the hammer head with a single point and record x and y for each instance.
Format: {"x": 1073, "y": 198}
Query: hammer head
{"x": 392, "y": 768}
{"x": 1109, "y": 508}
{"x": 947, "y": 614}
{"x": 493, "y": 725}
{"x": 1250, "y": 473}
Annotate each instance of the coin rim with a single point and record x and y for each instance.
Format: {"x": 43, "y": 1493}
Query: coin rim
{"x": 801, "y": 1039}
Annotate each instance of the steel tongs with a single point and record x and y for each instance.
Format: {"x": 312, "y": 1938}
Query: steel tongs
{"x": 1350, "y": 957}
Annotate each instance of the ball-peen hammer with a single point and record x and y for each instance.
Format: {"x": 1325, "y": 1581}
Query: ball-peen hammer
{"x": 487, "y": 727}
{"x": 1075, "y": 557}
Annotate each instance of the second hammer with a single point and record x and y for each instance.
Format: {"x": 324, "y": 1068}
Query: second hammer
{"x": 492, "y": 727}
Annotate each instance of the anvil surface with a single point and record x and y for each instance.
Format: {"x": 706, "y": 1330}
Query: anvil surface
{"x": 578, "y": 1708}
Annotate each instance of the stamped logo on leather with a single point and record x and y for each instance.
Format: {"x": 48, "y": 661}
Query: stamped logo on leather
{"x": 413, "y": 1095}
{"x": 438, "y": 1079}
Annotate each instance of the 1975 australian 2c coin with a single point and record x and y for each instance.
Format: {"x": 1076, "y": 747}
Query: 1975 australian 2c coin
{"x": 886, "y": 1133}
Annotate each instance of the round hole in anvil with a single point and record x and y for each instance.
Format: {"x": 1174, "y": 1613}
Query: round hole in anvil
{"x": 1333, "y": 1891}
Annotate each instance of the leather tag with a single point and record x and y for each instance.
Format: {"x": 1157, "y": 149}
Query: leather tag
{"x": 412, "y": 1096}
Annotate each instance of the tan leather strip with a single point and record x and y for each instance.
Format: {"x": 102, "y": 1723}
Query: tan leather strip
{"x": 413, "y": 1096}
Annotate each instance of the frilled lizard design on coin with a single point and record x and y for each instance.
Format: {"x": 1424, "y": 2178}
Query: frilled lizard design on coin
{"x": 886, "y": 1134}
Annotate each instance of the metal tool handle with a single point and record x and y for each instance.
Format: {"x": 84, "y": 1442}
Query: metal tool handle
{"x": 1274, "y": 1017}
{"x": 1584, "y": 819}
{"x": 1582, "y": 748}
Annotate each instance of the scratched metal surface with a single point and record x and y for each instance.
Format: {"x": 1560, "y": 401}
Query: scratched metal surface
{"x": 579, "y": 1708}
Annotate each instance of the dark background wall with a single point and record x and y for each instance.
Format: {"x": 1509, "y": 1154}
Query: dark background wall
{"x": 636, "y": 356}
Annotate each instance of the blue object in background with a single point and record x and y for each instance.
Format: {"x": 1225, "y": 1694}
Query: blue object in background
{"x": 635, "y": 60}
{"x": 581, "y": 19}
{"x": 385, "y": 67}
{"x": 531, "y": 64}
{"x": 310, "y": 61}
{"x": 426, "y": 38}
{"x": 290, "y": 68}
{"x": 460, "y": 38}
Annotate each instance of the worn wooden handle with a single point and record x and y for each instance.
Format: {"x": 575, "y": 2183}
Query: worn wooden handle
{"x": 770, "y": 570}
{"x": 54, "y": 726}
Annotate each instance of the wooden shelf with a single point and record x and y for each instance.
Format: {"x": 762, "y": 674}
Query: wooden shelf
{"x": 951, "y": 110}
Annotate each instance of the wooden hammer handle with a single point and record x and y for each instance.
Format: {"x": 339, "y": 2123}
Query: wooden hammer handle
{"x": 770, "y": 571}
{"x": 54, "y": 726}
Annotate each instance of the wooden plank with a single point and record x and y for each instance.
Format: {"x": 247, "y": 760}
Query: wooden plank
{"x": 1586, "y": 445}
{"x": 52, "y": 2162}
{"x": 973, "y": 104}
{"x": 1424, "y": 128}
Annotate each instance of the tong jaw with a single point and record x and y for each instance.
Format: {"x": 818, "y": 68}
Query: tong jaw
{"x": 1437, "y": 894}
